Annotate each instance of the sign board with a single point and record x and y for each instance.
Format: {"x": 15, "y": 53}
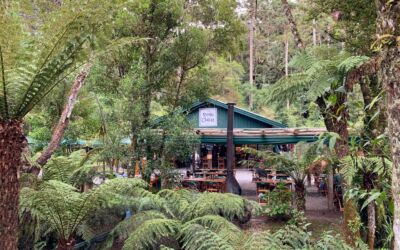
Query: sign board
{"x": 208, "y": 117}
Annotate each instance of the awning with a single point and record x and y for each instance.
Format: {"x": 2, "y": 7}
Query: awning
{"x": 271, "y": 136}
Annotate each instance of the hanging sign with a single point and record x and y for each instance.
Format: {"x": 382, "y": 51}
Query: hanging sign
{"x": 208, "y": 117}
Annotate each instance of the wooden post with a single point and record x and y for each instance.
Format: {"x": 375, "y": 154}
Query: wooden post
{"x": 232, "y": 186}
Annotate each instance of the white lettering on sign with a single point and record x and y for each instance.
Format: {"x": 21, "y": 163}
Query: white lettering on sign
{"x": 208, "y": 117}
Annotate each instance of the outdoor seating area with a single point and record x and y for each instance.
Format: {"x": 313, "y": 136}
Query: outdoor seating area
{"x": 205, "y": 184}
{"x": 268, "y": 183}
{"x": 206, "y": 179}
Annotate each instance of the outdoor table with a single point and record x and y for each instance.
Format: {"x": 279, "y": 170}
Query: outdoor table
{"x": 202, "y": 181}
{"x": 210, "y": 172}
{"x": 273, "y": 182}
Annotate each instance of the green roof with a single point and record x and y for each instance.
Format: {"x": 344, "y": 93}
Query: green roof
{"x": 250, "y": 116}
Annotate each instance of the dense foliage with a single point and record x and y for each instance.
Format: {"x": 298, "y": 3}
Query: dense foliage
{"x": 146, "y": 62}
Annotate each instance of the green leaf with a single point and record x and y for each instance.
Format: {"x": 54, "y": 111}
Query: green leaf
{"x": 373, "y": 196}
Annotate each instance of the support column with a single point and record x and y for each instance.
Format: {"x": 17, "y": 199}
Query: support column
{"x": 232, "y": 186}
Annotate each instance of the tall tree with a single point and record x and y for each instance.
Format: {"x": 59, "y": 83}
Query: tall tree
{"x": 63, "y": 122}
{"x": 388, "y": 23}
{"x": 292, "y": 24}
{"x": 252, "y": 24}
{"x": 180, "y": 38}
{"x": 355, "y": 27}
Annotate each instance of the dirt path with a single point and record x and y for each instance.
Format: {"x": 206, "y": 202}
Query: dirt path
{"x": 317, "y": 212}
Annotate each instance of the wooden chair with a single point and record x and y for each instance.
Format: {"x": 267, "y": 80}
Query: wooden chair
{"x": 214, "y": 187}
{"x": 262, "y": 201}
{"x": 262, "y": 188}
{"x": 221, "y": 163}
{"x": 190, "y": 185}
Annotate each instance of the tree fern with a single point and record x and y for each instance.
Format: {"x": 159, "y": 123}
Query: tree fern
{"x": 198, "y": 237}
{"x": 225, "y": 205}
{"x": 64, "y": 208}
{"x": 209, "y": 212}
{"x": 124, "y": 228}
{"x": 351, "y": 165}
{"x": 151, "y": 232}
{"x": 178, "y": 201}
{"x": 33, "y": 62}
{"x": 318, "y": 71}
{"x": 76, "y": 169}
{"x": 225, "y": 229}
{"x": 291, "y": 238}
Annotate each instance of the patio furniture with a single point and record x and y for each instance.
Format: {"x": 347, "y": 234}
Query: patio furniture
{"x": 262, "y": 187}
{"x": 202, "y": 183}
{"x": 212, "y": 186}
{"x": 221, "y": 162}
{"x": 190, "y": 185}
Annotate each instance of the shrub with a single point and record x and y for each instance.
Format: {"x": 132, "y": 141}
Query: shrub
{"x": 278, "y": 204}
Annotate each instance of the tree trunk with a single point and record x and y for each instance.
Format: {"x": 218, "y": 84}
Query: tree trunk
{"x": 388, "y": 23}
{"x": 59, "y": 130}
{"x": 66, "y": 244}
{"x": 314, "y": 32}
{"x": 300, "y": 197}
{"x": 251, "y": 49}
{"x": 12, "y": 144}
{"x": 287, "y": 66}
{"x": 371, "y": 225}
{"x": 330, "y": 190}
{"x": 339, "y": 126}
{"x": 292, "y": 24}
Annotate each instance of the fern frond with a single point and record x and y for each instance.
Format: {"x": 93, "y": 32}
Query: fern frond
{"x": 150, "y": 201}
{"x": 178, "y": 201}
{"x": 150, "y": 234}
{"x": 221, "y": 226}
{"x": 229, "y": 206}
{"x": 331, "y": 242}
{"x": 351, "y": 165}
{"x": 258, "y": 241}
{"x": 318, "y": 70}
{"x": 48, "y": 76}
{"x": 197, "y": 237}
{"x": 117, "y": 191}
{"x": 302, "y": 61}
{"x": 57, "y": 203}
{"x": 289, "y": 237}
{"x": 127, "y": 226}
{"x": 287, "y": 88}
{"x": 351, "y": 63}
